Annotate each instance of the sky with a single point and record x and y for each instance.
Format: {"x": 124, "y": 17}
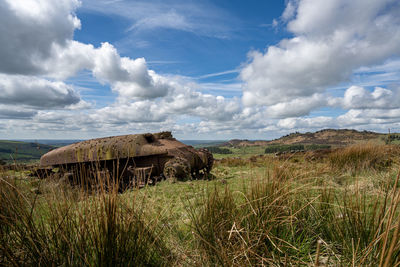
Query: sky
{"x": 217, "y": 70}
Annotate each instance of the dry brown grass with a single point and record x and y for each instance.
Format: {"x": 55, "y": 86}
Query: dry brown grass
{"x": 362, "y": 157}
{"x": 72, "y": 227}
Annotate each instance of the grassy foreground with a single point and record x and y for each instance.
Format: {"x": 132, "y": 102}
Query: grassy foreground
{"x": 312, "y": 209}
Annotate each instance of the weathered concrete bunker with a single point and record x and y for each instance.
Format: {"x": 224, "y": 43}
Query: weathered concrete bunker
{"x": 136, "y": 158}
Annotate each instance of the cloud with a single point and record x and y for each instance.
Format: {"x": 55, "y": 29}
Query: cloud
{"x": 30, "y": 29}
{"x": 171, "y": 20}
{"x": 380, "y": 98}
{"x": 377, "y": 119}
{"x": 129, "y": 77}
{"x": 143, "y": 96}
{"x": 200, "y": 18}
{"x": 36, "y": 39}
{"x": 35, "y": 92}
{"x": 392, "y": 65}
{"x": 12, "y": 112}
{"x": 181, "y": 100}
{"x": 66, "y": 61}
{"x": 218, "y": 74}
{"x": 298, "y": 107}
{"x": 290, "y": 10}
{"x": 307, "y": 123}
{"x": 204, "y": 106}
{"x": 140, "y": 111}
{"x": 331, "y": 40}
{"x": 369, "y": 116}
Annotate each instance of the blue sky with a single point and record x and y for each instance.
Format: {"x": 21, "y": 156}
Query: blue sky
{"x": 210, "y": 51}
{"x": 203, "y": 69}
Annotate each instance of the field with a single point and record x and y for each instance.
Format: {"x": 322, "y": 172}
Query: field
{"x": 315, "y": 208}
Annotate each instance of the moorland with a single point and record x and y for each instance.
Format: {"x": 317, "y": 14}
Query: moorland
{"x": 294, "y": 201}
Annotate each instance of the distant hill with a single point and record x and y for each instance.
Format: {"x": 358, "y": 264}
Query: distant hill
{"x": 51, "y": 142}
{"x": 202, "y": 143}
{"x": 22, "y": 151}
{"x": 332, "y": 137}
{"x": 245, "y": 142}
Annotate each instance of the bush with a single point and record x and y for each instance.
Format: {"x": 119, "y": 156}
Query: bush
{"x": 317, "y": 146}
{"x": 392, "y": 137}
{"x": 283, "y": 148}
{"x": 219, "y": 150}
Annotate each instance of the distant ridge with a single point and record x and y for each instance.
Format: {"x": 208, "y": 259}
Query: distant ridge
{"x": 52, "y": 142}
{"x": 22, "y": 151}
{"x": 335, "y": 137}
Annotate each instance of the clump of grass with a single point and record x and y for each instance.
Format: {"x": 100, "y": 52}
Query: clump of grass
{"x": 259, "y": 229}
{"x": 361, "y": 157}
{"x": 234, "y": 162}
{"x": 66, "y": 228}
{"x": 285, "y": 221}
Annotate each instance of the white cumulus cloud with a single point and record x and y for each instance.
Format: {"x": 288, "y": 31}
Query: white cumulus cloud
{"x": 36, "y": 92}
{"x": 31, "y": 29}
{"x": 357, "y": 97}
{"x": 331, "y": 39}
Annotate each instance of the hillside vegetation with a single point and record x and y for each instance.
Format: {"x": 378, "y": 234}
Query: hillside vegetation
{"x": 331, "y": 137}
{"x": 22, "y": 151}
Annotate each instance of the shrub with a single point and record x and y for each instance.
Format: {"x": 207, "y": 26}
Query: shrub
{"x": 219, "y": 150}
{"x": 283, "y": 148}
{"x": 392, "y": 137}
{"x": 317, "y": 146}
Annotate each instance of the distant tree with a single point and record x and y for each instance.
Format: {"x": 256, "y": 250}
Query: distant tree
{"x": 2, "y": 162}
{"x": 219, "y": 150}
{"x": 317, "y": 146}
{"x": 283, "y": 148}
{"x": 392, "y": 137}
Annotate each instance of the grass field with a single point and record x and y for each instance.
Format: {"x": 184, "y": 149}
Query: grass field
{"x": 250, "y": 151}
{"x": 336, "y": 209}
{"x": 242, "y": 152}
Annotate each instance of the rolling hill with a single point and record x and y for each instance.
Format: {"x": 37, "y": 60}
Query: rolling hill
{"x": 22, "y": 151}
{"x": 341, "y": 137}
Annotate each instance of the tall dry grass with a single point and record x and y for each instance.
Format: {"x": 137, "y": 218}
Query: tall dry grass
{"x": 282, "y": 221}
{"x": 75, "y": 228}
{"x": 362, "y": 157}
